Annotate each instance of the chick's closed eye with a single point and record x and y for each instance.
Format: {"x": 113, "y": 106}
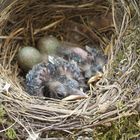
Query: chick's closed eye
{"x": 60, "y": 91}
{"x": 57, "y": 90}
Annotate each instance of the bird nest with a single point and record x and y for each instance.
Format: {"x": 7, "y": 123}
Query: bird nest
{"x": 111, "y": 25}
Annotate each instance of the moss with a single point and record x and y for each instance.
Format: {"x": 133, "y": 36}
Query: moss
{"x": 2, "y": 113}
{"x": 6, "y": 122}
{"x": 124, "y": 129}
{"x": 11, "y": 134}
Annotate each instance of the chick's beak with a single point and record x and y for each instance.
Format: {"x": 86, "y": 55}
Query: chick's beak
{"x": 78, "y": 94}
{"x": 95, "y": 78}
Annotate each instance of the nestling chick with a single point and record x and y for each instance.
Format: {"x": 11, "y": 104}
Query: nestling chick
{"x": 73, "y": 52}
{"x": 56, "y": 78}
{"x": 63, "y": 88}
{"x": 90, "y": 60}
{"x": 99, "y": 61}
{"x": 81, "y": 57}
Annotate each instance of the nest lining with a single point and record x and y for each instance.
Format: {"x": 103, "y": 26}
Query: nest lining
{"x": 24, "y": 22}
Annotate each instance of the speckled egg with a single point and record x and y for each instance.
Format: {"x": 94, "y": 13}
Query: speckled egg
{"x": 48, "y": 45}
{"x": 28, "y": 57}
